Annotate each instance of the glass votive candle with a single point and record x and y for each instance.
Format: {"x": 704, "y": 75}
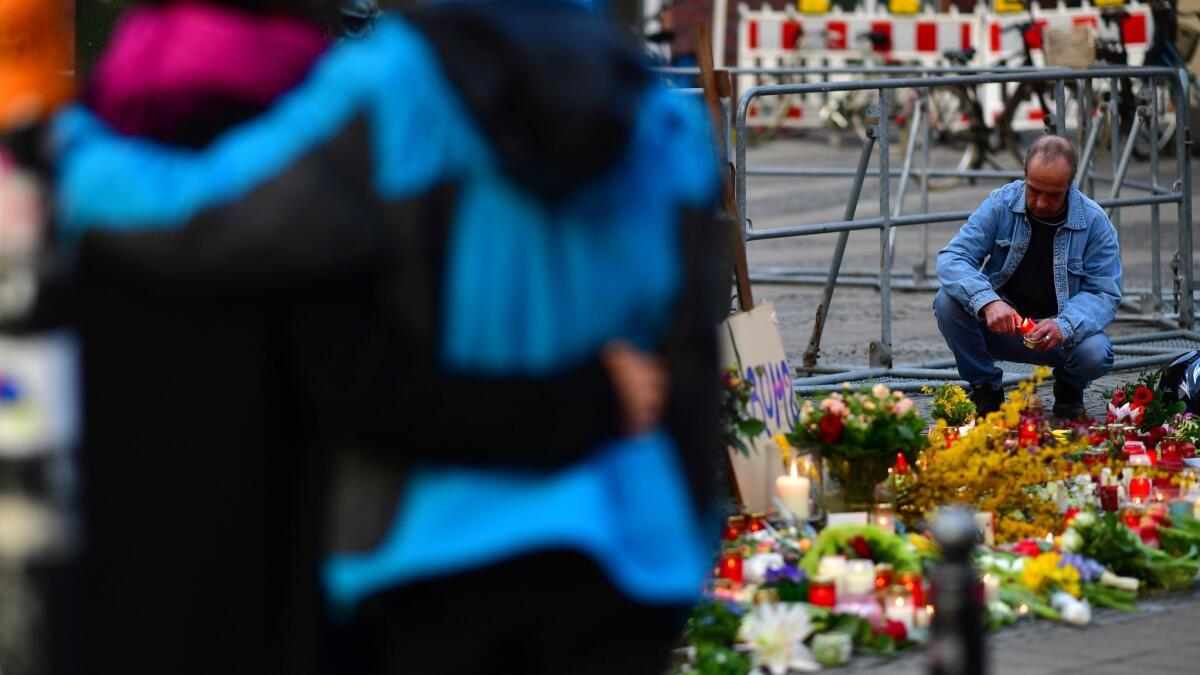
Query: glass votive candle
{"x": 834, "y": 567}
{"x": 859, "y": 578}
{"x": 1109, "y": 497}
{"x": 1139, "y": 489}
{"x": 734, "y": 527}
{"x": 885, "y": 575}
{"x": 756, "y": 522}
{"x": 915, "y": 585}
{"x": 731, "y": 566}
{"x": 898, "y": 606}
{"x": 832, "y": 649}
{"x": 884, "y": 517}
{"x": 822, "y": 592}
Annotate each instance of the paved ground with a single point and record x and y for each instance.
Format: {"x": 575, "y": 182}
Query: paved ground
{"x": 1160, "y": 638}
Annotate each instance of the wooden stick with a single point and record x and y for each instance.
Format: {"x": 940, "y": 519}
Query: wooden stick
{"x": 712, "y": 80}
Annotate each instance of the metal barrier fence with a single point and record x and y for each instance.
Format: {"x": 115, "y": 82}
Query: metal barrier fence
{"x": 1149, "y": 300}
{"x": 1155, "y": 195}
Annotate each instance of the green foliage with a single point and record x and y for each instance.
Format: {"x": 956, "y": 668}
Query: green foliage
{"x": 716, "y": 659}
{"x": 1156, "y": 410}
{"x": 1106, "y": 596}
{"x": 1111, "y": 543}
{"x": 738, "y": 427}
{"x": 713, "y": 622}
{"x": 884, "y": 547}
{"x": 950, "y": 403}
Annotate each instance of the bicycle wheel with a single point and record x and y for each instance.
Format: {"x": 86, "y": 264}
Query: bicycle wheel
{"x": 955, "y": 122}
{"x": 1024, "y": 114}
{"x": 1165, "y": 107}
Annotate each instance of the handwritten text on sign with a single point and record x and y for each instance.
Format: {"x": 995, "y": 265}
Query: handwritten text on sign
{"x": 773, "y": 402}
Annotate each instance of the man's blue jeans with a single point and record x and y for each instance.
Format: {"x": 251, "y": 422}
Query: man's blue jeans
{"x": 976, "y": 349}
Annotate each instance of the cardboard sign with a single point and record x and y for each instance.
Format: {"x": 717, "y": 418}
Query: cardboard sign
{"x": 750, "y": 342}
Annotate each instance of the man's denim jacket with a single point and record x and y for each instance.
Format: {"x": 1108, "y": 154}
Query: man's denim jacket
{"x": 1087, "y": 262}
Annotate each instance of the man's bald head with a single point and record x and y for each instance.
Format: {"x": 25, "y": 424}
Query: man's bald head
{"x": 1049, "y": 149}
{"x": 1050, "y": 165}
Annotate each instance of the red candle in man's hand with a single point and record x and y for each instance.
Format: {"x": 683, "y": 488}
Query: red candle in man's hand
{"x": 1027, "y": 326}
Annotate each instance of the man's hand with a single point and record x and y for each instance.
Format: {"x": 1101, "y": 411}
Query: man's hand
{"x": 641, "y": 384}
{"x": 1048, "y": 333}
{"x": 1001, "y": 318}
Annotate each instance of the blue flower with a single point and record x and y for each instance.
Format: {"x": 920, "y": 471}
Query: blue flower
{"x": 784, "y": 573}
{"x": 1089, "y": 570}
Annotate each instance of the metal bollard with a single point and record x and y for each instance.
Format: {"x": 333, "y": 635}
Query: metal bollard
{"x": 956, "y": 645}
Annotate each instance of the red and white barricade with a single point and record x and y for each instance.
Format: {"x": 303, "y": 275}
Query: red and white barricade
{"x": 770, "y": 38}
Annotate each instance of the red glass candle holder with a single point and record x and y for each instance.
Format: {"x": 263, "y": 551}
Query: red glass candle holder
{"x": 735, "y": 526}
{"x": 884, "y": 576}
{"x": 1108, "y": 497}
{"x": 731, "y": 566}
{"x": 915, "y": 585}
{"x": 822, "y": 592}
{"x": 951, "y": 436}
{"x": 756, "y": 522}
{"x": 1139, "y": 488}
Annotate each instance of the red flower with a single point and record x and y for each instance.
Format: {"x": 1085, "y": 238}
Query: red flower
{"x": 1027, "y": 547}
{"x": 831, "y": 428}
{"x": 860, "y": 547}
{"x": 1135, "y": 413}
{"x": 895, "y": 630}
{"x": 1118, "y": 397}
{"x": 1142, "y": 396}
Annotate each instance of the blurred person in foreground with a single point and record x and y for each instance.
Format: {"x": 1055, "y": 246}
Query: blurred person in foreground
{"x": 471, "y": 203}
{"x": 1038, "y": 250}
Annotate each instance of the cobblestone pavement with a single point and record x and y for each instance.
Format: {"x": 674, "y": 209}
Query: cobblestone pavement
{"x": 1161, "y": 638}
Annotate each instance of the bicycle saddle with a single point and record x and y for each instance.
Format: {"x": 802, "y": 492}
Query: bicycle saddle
{"x": 959, "y": 57}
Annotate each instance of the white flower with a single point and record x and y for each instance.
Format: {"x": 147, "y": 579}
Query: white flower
{"x": 1074, "y": 612}
{"x": 1085, "y": 519}
{"x": 1072, "y": 541}
{"x": 881, "y": 391}
{"x": 1124, "y": 583}
{"x": 777, "y": 632}
{"x": 1119, "y": 414}
{"x": 755, "y": 567}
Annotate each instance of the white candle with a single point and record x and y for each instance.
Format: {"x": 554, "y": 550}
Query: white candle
{"x": 924, "y": 616}
{"x": 793, "y": 491}
{"x": 884, "y": 519}
{"x": 859, "y": 578}
{"x": 834, "y": 567}
{"x": 985, "y": 524}
{"x": 900, "y": 608}
{"x": 991, "y": 588}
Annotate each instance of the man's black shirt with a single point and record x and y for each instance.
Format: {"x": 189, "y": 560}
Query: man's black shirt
{"x": 1031, "y": 289}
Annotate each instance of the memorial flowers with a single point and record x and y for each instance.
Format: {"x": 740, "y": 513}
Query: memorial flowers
{"x": 950, "y": 404}
{"x": 859, "y": 434}
{"x": 1139, "y": 403}
{"x": 738, "y": 426}
{"x": 992, "y": 472}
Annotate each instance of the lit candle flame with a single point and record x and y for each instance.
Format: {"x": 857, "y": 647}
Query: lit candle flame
{"x": 1049, "y": 538}
{"x": 794, "y": 472}
{"x": 1023, "y": 609}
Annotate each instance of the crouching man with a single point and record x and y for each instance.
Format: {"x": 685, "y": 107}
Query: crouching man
{"x": 1036, "y": 249}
